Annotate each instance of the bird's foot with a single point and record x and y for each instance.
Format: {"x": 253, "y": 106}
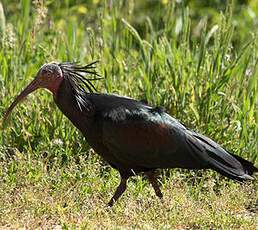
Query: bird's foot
{"x": 111, "y": 203}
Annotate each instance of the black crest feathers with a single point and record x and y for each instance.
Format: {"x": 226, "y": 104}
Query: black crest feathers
{"x": 76, "y": 75}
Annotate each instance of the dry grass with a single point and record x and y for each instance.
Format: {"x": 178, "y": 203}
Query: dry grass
{"x": 75, "y": 197}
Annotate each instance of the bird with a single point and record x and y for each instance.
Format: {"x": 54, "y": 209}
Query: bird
{"x": 130, "y": 135}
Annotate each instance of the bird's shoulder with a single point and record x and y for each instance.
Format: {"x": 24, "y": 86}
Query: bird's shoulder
{"x": 115, "y": 108}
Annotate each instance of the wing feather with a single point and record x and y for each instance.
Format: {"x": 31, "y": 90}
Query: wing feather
{"x": 148, "y": 138}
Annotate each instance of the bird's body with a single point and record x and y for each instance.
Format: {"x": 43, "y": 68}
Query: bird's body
{"x": 134, "y": 137}
{"x": 127, "y": 133}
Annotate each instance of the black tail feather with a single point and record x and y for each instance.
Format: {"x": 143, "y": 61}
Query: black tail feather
{"x": 227, "y": 164}
{"x": 248, "y": 166}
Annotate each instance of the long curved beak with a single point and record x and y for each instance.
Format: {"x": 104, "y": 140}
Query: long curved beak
{"x": 29, "y": 89}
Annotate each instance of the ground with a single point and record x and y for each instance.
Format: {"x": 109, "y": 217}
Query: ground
{"x": 76, "y": 196}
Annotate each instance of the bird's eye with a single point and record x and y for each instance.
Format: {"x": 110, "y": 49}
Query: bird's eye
{"x": 46, "y": 73}
{"x": 43, "y": 71}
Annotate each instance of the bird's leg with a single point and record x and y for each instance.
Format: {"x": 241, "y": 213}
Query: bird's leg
{"x": 119, "y": 191}
{"x": 153, "y": 180}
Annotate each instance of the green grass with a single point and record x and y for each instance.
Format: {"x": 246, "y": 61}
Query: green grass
{"x": 48, "y": 174}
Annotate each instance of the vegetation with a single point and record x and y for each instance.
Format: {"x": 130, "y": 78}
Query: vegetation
{"x": 197, "y": 62}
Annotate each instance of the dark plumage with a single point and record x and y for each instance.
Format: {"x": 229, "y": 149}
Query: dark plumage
{"x": 130, "y": 135}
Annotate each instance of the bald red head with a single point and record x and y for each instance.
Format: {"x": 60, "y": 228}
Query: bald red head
{"x": 49, "y": 76}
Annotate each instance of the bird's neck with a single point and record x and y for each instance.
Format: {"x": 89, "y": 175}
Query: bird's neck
{"x": 66, "y": 102}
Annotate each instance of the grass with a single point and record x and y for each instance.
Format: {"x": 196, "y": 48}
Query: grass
{"x": 76, "y": 195}
{"x": 50, "y": 177}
